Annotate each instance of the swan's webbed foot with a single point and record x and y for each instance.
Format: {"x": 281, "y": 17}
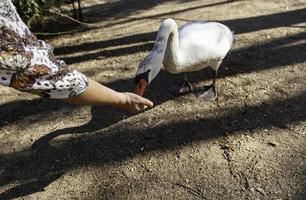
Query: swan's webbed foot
{"x": 183, "y": 88}
{"x": 208, "y": 93}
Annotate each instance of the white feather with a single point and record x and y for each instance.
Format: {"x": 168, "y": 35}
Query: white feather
{"x": 198, "y": 44}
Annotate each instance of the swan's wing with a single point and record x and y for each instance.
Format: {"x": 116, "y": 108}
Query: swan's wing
{"x": 203, "y": 41}
{"x": 189, "y": 27}
{"x": 200, "y": 33}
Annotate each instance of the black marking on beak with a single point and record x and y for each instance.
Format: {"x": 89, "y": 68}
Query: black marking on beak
{"x": 144, "y": 76}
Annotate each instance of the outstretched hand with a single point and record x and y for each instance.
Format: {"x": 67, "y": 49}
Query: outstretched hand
{"x": 97, "y": 94}
{"x": 134, "y": 103}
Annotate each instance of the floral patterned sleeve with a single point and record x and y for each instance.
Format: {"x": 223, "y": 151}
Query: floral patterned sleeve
{"x": 28, "y": 64}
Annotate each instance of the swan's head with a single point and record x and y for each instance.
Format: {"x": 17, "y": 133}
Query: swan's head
{"x": 151, "y": 65}
{"x": 146, "y": 72}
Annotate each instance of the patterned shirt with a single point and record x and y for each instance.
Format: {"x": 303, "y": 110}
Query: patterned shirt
{"x": 28, "y": 64}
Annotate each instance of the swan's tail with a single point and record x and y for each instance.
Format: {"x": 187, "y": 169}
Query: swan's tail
{"x": 231, "y": 37}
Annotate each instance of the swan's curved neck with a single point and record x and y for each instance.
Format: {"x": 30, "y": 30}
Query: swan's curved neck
{"x": 165, "y": 49}
{"x": 166, "y": 44}
{"x": 172, "y": 47}
{"x": 171, "y": 52}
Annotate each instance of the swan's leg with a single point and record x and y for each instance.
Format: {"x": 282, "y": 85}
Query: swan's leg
{"x": 210, "y": 92}
{"x": 213, "y": 85}
{"x": 182, "y": 88}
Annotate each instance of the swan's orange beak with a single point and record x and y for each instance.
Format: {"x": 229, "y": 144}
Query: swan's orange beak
{"x": 141, "y": 87}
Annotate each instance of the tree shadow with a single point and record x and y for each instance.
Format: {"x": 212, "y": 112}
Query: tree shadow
{"x": 239, "y": 26}
{"x": 107, "y": 53}
{"x": 251, "y": 24}
{"x": 29, "y": 169}
{"x": 242, "y": 25}
{"x": 267, "y": 55}
{"x": 111, "y": 10}
{"x": 102, "y": 116}
{"x": 302, "y": 194}
{"x": 33, "y": 186}
{"x": 128, "y": 19}
{"x": 120, "y": 9}
{"x": 126, "y": 40}
{"x": 16, "y": 111}
{"x": 264, "y": 56}
{"x": 123, "y": 144}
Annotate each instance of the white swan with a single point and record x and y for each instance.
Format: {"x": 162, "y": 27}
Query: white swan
{"x": 194, "y": 46}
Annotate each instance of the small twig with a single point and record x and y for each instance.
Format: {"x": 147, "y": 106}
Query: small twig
{"x": 230, "y": 80}
{"x": 55, "y": 34}
{"x": 145, "y": 167}
{"x": 157, "y": 123}
{"x": 83, "y": 24}
{"x": 57, "y": 125}
{"x": 247, "y": 182}
{"x": 192, "y": 191}
{"x": 301, "y": 129}
{"x": 297, "y": 26}
{"x": 181, "y": 19}
{"x": 45, "y": 139}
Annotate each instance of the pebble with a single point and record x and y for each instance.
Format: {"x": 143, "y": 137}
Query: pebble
{"x": 272, "y": 144}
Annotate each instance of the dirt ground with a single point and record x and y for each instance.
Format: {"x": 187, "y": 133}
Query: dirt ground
{"x": 251, "y": 144}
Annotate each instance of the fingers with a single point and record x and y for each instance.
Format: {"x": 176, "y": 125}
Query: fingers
{"x": 140, "y": 108}
{"x": 142, "y": 104}
{"x": 137, "y": 108}
{"x": 135, "y": 103}
{"x": 145, "y": 102}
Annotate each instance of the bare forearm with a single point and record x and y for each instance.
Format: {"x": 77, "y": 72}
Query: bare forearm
{"x": 97, "y": 94}
{"x": 47, "y": 77}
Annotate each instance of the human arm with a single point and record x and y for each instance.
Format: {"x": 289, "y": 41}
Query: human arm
{"x": 28, "y": 64}
{"x": 97, "y": 94}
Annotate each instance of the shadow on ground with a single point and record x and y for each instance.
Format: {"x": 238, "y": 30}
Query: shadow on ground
{"x": 111, "y": 11}
{"x": 239, "y": 26}
{"x": 268, "y": 55}
{"x": 242, "y": 25}
{"x": 35, "y": 170}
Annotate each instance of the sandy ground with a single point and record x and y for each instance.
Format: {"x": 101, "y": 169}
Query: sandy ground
{"x": 251, "y": 144}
